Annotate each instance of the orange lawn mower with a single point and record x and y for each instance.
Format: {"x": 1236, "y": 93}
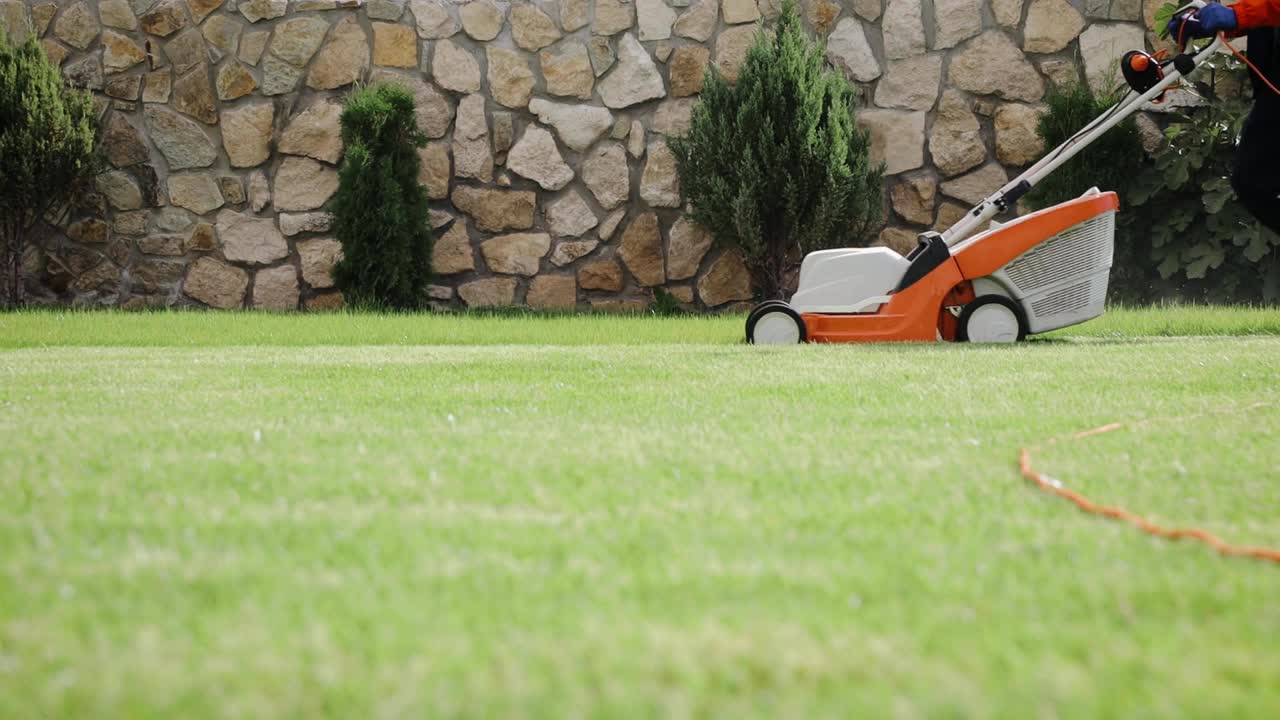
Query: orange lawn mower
{"x": 1040, "y": 272}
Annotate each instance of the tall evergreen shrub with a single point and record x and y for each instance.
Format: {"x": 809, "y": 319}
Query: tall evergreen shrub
{"x": 380, "y": 211}
{"x": 48, "y": 133}
{"x": 775, "y": 165}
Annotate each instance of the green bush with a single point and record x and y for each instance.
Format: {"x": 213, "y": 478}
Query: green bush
{"x": 48, "y": 135}
{"x": 380, "y": 211}
{"x": 1197, "y": 241}
{"x": 1109, "y": 163}
{"x": 775, "y": 165}
{"x": 1180, "y": 233}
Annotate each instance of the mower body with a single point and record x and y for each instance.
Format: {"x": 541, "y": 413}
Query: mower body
{"x": 980, "y": 280}
{"x": 1040, "y": 272}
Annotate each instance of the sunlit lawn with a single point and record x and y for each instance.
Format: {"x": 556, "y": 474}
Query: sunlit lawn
{"x": 240, "y": 515}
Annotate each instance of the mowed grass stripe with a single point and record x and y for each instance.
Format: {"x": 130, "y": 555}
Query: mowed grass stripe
{"x": 61, "y": 328}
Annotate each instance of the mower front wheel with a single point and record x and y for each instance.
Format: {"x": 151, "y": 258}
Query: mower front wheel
{"x": 991, "y": 319}
{"x": 775, "y": 323}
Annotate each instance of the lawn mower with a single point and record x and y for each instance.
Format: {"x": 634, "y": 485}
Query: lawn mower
{"x": 1040, "y": 272}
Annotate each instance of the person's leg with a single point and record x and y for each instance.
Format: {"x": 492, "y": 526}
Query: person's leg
{"x": 1256, "y": 179}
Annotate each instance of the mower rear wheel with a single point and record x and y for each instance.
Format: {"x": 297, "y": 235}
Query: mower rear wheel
{"x": 775, "y": 323}
{"x": 991, "y": 319}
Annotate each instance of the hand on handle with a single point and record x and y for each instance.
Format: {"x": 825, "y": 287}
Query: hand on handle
{"x": 1205, "y": 22}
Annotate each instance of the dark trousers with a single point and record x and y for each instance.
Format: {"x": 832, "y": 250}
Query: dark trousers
{"x": 1257, "y": 175}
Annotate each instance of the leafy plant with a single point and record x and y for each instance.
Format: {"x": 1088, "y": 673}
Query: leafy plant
{"x": 380, "y": 211}
{"x": 774, "y": 165}
{"x": 48, "y": 135}
{"x": 1200, "y": 241}
{"x": 1163, "y": 14}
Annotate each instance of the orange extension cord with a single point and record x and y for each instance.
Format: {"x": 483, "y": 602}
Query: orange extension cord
{"x": 1118, "y": 513}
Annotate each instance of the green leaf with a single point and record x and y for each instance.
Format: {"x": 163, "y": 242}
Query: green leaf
{"x": 1162, "y": 17}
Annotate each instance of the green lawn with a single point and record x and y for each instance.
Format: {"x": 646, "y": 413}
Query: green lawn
{"x": 239, "y": 515}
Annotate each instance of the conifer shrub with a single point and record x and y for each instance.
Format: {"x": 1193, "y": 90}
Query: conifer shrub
{"x": 380, "y": 211}
{"x": 48, "y": 136}
{"x": 775, "y": 165}
{"x": 1109, "y": 163}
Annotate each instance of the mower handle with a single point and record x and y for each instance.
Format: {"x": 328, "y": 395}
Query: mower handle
{"x": 1004, "y": 198}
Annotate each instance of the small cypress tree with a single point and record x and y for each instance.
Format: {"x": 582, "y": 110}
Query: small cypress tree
{"x": 1110, "y": 162}
{"x": 380, "y": 211}
{"x": 775, "y": 165}
{"x": 48, "y": 135}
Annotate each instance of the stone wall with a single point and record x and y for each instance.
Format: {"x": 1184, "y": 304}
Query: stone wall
{"x": 550, "y": 177}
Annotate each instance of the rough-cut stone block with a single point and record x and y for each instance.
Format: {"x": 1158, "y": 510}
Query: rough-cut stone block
{"x": 641, "y": 250}
{"x": 991, "y": 63}
{"x": 605, "y": 274}
{"x": 316, "y": 132}
{"x": 955, "y": 21}
{"x": 731, "y": 50}
{"x": 433, "y": 19}
{"x": 911, "y": 84}
{"x": 276, "y": 288}
{"x": 435, "y": 170}
{"x": 124, "y": 145}
{"x": 566, "y": 70}
{"x": 246, "y": 133}
{"x": 688, "y": 68}
{"x": 303, "y": 184}
{"x": 1051, "y": 26}
{"x": 552, "y": 292}
{"x": 454, "y": 68}
{"x": 660, "y": 183}
{"x": 897, "y": 138}
{"x": 294, "y": 223}
{"x": 196, "y": 192}
{"x": 570, "y": 215}
{"x": 570, "y": 250}
{"x": 687, "y": 245}
{"x": 318, "y": 257}
{"x": 516, "y": 254}
{"x": 739, "y": 11}
{"x": 531, "y": 28}
{"x": 955, "y": 141}
{"x": 903, "y": 29}
{"x": 483, "y": 19}
{"x": 491, "y": 292}
{"x": 510, "y": 78}
{"x": 250, "y": 240}
{"x": 656, "y": 18}
{"x": 536, "y": 157}
{"x": 699, "y": 21}
{"x": 452, "y": 251}
{"x": 578, "y": 126}
{"x": 634, "y": 79}
{"x": 297, "y": 39}
{"x": 613, "y": 16}
{"x": 1017, "y": 142}
{"x": 975, "y": 186}
{"x": 216, "y": 283}
{"x": 495, "y": 210}
{"x": 914, "y": 197}
{"x": 343, "y": 59}
{"x": 605, "y": 173}
{"x": 726, "y": 280}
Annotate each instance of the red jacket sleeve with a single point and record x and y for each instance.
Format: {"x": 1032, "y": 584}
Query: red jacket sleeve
{"x": 1252, "y": 14}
